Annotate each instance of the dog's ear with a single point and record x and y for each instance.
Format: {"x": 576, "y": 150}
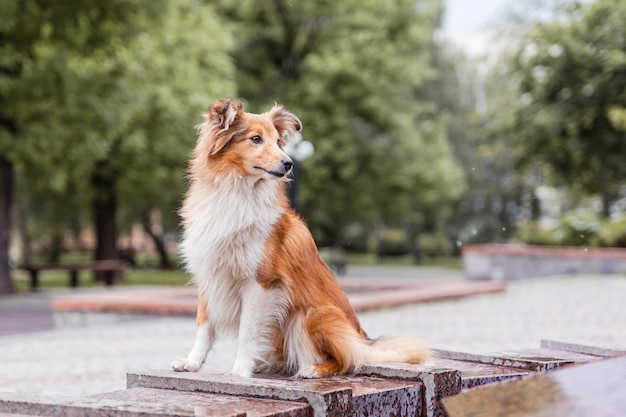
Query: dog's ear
{"x": 223, "y": 113}
{"x": 284, "y": 121}
{"x": 219, "y": 119}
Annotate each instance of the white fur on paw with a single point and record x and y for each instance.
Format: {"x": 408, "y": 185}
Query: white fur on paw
{"x": 183, "y": 365}
{"x": 240, "y": 373}
{"x": 309, "y": 372}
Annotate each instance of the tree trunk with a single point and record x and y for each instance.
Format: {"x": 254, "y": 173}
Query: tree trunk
{"x": 411, "y": 237}
{"x": 605, "y": 194}
{"x": 6, "y": 188}
{"x": 157, "y": 239}
{"x": 20, "y": 223}
{"x": 106, "y": 228}
{"x": 104, "y": 215}
{"x": 56, "y": 247}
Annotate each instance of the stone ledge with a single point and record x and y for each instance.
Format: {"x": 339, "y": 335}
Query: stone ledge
{"x": 582, "y": 349}
{"x": 364, "y": 294}
{"x": 508, "y": 262}
{"x": 530, "y": 360}
{"x": 474, "y": 374}
{"x": 337, "y": 396}
{"x": 378, "y": 391}
{"x": 588, "y": 390}
{"x": 437, "y": 382}
{"x": 154, "y": 402}
{"x": 133, "y": 403}
{"x": 169, "y": 402}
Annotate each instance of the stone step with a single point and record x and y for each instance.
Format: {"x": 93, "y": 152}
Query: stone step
{"x": 155, "y": 402}
{"x": 381, "y": 390}
{"x": 437, "y": 382}
{"x": 168, "y": 402}
{"x": 14, "y": 415}
{"x": 589, "y": 390}
{"x": 337, "y": 396}
{"x": 474, "y": 374}
{"x": 481, "y": 369}
{"x": 532, "y": 360}
{"x": 603, "y": 352}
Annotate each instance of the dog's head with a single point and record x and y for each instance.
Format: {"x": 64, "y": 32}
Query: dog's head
{"x": 251, "y": 144}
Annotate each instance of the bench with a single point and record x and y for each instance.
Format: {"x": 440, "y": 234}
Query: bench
{"x": 113, "y": 269}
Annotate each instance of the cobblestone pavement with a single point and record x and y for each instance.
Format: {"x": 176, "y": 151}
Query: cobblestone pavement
{"x": 76, "y": 361}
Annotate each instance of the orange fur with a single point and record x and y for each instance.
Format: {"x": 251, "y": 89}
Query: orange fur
{"x": 314, "y": 331}
{"x": 202, "y": 313}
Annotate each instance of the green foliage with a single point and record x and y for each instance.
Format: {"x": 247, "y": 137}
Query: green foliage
{"x": 572, "y": 78}
{"x": 99, "y": 100}
{"x": 577, "y": 229}
{"x": 105, "y": 98}
{"x": 613, "y": 233}
{"x": 393, "y": 242}
{"x": 531, "y": 234}
{"x": 435, "y": 244}
{"x": 351, "y": 71}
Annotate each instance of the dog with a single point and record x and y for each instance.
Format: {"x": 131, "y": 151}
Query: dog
{"x": 259, "y": 275}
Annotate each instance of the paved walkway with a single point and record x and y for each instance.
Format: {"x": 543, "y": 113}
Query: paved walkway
{"x": 77, "y": 361}
{"x": 25, "y": 313}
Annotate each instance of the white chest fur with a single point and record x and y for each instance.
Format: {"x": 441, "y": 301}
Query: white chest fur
{"x": 226, "y": 226}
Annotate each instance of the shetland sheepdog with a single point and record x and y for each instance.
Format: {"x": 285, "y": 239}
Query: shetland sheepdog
{"x": 259, "y": 275}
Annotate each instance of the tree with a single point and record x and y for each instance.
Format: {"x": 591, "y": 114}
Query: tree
{"x": 27, "y": 96}
{"x": 572, "y": 76}
{"x": 92, "y": 93}
{"x": 481, "y": 96}
{"x": 6, "y": 191}
{"x": 150, "y": 115}
{"x": 351, "y": 71}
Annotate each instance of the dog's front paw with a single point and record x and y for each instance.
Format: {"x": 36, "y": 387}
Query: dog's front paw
{"x": 244, "y": 373}
{"x": 184, "y": 365}
{"x": 309, "y": 372}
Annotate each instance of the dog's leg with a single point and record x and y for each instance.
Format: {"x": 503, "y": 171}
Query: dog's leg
{"x": 205, "y": 336}
{"x": 261, "y": 310}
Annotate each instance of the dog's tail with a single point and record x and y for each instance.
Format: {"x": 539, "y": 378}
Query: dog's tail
{"x": 395, "y": 349}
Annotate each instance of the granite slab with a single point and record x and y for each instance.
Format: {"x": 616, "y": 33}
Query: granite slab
{"x": 201, "y": 404}
{"x": 437, "y": 382}
{"x": 14, "y": 415}
{"x": 94, "y": 408}
{"x": 383, "y": 397}
{"x": 153, "y": 402}
{"x": 530, "y": 362}
{"x": 584, "y": 349}
{"x": 337, "y": 396}
{"x": 566, "y": 355}
{"x": 596, "y": 389}
{"x": 475, "y": 374}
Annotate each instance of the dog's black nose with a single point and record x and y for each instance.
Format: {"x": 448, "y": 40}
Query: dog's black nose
{"x": 288, "y": 164}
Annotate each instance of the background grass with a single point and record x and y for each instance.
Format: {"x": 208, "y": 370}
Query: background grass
{"x": 149, "y": 276}
{"x": 406, "y": 260}
{"x": 61, "y": 279}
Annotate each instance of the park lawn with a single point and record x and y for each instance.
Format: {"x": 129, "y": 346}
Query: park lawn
{"x": 60, "y": 279}
{"x": 177, "y": 277}
{"x": 454, "y": 262}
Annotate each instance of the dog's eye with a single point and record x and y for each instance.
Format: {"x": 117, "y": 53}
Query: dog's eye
{"x": 256, "y": 139}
